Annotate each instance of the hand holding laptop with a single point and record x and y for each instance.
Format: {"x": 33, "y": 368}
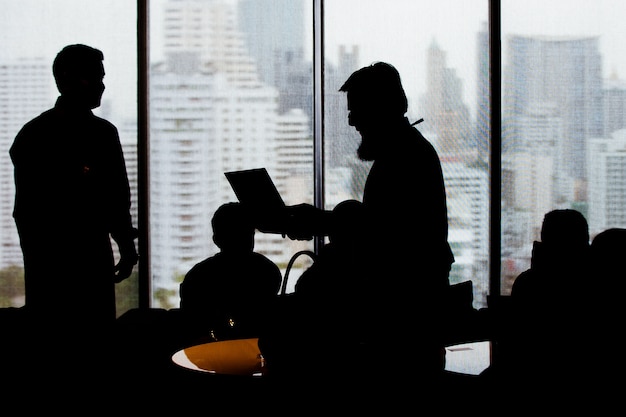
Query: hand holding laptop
{"x": 255, "y": 188}
{"x": 305, "y": 221}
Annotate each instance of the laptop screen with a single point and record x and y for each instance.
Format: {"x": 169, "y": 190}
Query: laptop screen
{"x": 255, "y": 189}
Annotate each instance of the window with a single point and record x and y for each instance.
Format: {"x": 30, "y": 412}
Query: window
{"x": 33, "y": 32}
{"x": 232, "y": 85}
{"x": 563, "y": 117}
{"x": 442, "y": 53}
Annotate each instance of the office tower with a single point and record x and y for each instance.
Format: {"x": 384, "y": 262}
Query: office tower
{"x": 483, "y": 94}
{"x": 541, "y": 182}
{"x": 614, "y": 104}
{"x": 128, "y": 138}
{"x": 607, "y": 182}
{"x": 28, "y": 89}
{"x": 446, "y": 117}
{"x": 468, "y": 222}
{"x": 564, "y": 73}
{"x": 201, "y": 127}
{"x": 274, "y": 32}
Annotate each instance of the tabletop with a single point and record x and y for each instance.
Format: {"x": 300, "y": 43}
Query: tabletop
{"x": 227, "y": 357}
{"x": 243, "y": 357}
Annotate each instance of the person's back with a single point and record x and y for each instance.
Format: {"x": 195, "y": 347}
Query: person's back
{"x": 336, "y": 267}
{"x": 228, "y": 292}
{"x": 559, "y": 262}
{"x": 607, "y": 307}
{"x": 548, "y": 304}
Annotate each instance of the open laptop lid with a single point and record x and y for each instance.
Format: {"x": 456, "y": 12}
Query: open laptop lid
{"x": 255, "y": 189}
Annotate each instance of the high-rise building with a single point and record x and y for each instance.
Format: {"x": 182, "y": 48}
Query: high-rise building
{"x": 27, "y": 89}
{"x": 614, "y": 105}
{"x": 468, "y": 219}
{"x": 446, "y": 116}
{"x": 483, "y": 94}
{"x": 564, "y": 73}
{"x": 607, "y": 179}
{"x": 274, "y": 32}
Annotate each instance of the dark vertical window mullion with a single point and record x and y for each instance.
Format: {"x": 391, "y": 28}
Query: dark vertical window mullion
{"x": 495, "y": 85}
{"x": 142, "y": 154}
{"x": 318, "y": 112}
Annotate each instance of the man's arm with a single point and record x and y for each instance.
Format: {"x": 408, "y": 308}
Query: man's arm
{"x": 304, "y": 221}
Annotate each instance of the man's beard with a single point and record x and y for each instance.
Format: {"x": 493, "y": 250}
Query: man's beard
{"x": 366, "y": 150}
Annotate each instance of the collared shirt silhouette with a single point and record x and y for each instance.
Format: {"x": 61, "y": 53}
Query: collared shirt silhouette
{"x": 72, "y": 196}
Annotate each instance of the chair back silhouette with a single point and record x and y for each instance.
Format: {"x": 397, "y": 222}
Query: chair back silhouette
{"x": 294, "y": 257}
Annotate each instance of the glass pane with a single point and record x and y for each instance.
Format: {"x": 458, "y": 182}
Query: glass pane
{"x": 441, "y": 51}
{"x": 230, "y": 89}
{"x": 33, "y": 32}
{"x": 564, "y": 97}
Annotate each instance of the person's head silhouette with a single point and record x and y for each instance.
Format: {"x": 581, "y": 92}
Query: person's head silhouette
{"x": 348, "y": 221}
{"x": 233, "y": 228}
{"x": 376, "y": 101}
{"x": 565, "y": 228}
{"x": 564, "y": 235}
{"x": 79, "y": 72}
{"x": 608, "y": 249}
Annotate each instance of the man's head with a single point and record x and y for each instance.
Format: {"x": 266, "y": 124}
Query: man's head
{"x": 375, "y": 99}
{"x": 233, "y": 228}
{"x": 78, "y": 72}
{"x": 565, "y": 228}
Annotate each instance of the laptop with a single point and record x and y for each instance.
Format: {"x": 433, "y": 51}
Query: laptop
{"x": 255, "y": 189}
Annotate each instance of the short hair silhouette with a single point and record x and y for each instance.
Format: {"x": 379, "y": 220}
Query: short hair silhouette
{"x": 233, "y": 227}
{"x": 565, "y": 226}
{"x": 378, "y": 87}
{"x": 609, "y": 247}
{"x": 74, "y": 61}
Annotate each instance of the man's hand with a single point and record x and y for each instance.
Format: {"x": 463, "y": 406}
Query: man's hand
{"x": 124, "y": 267}
{"x": 305, "y": 221}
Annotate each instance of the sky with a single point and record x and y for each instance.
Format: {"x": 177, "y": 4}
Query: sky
{"x": 398, "y": 31}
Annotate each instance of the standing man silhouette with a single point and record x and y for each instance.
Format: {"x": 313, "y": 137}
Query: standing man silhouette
{"x": 72, "y": 196}
{"x": 400, "y": 293}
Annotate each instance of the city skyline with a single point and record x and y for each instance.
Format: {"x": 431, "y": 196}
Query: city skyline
{"x": 187, "y": 123}
{"x": 565, "y": 18}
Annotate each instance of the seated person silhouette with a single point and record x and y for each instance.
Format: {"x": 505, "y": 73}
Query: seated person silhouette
{"x": 549, "y": 323}
{"x": 338, "y": 259}
{"x": 608, "y": 252}
{"x": 224, "y": 296}
{"x": 318, "y": 326}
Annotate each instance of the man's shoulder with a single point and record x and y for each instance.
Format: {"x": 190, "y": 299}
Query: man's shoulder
{"x": 31, "y": 130}
{"x": 104, "y": 122}
{"x": 524, "y": 283}
{"x": 43, "y": 119}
